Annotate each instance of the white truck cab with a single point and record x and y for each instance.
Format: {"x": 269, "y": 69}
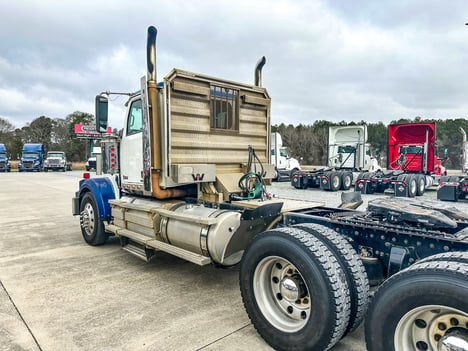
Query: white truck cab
{"x": 285, "y": 165}
{"x": 348, "y": 149}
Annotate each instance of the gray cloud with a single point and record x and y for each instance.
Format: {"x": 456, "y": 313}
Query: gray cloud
{"x": 334, "y": 60}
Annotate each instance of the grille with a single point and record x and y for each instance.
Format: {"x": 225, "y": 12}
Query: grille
{"x": 28, "y": 164}
{"x": 2, "y": 165}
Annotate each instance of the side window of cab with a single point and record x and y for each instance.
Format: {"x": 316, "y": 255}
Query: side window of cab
{"x": 134, "y": 120}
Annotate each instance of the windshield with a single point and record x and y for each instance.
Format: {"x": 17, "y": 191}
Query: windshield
{"x": 94, "y": 154}
{"x": 55, "y": 154}
{"x": 3, "y": 155}
{"x": 410, "y": 150}
{"x": 30, "y": 154}
{"x": 346, "y": 149}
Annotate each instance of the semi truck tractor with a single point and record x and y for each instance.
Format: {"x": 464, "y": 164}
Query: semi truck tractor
{"x": 187, "y": 177}
{"x": 91, "y": 163}
{"x": 56, "y": 161}
{"x": 455, "y": 187}
{"x": 464, "y": 152}
{"x": 5, "y": 165}
{"x": 32, "y": 158}
{"x": 348, "y": 156}
{"x": 285, "y": 166}
{"x": 413, "y": 162}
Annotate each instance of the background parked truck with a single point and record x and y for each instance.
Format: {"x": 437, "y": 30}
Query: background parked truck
{"x": 32, "y": 158}
{"x": 285, "y": 165}
{"x": 56, "y": 161}
{"x": 455, "y": 187}
{"x": 348, "y": 156}
{"x": 5, "y": 165}
{"x": 91, "y": 163}
{"x": 413, "y": 162}
{"x": 196, "y": 191}
{"x": 464, "y": 152}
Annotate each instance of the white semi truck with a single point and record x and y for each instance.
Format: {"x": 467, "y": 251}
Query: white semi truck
{"x": 464, "y": 152}
{"x": 285, "y": 165}
{"x": 187, "y": 177}
{"x": 348, "y": 156}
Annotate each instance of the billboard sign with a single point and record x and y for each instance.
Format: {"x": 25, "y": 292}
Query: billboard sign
{"x": 88, "y": 131}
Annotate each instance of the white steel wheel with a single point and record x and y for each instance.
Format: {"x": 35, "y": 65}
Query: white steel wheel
{"x": 424, "y": 327}
{"x": 282, "y": 294}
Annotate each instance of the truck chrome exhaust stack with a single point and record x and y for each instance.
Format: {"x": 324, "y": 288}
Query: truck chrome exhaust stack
{"x": 258, "y": 71}
{"x": 151, "y": 54}
{"x": 155, "y": 120}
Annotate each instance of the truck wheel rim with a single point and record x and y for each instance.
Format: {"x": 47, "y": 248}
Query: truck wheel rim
{"x": 281, "y": 294}
{"x": 413, "y": 186}
{"x": 87, "y": 219}
{"x": 347, "y": 181}
{"x": 424, "y": 327}
{"x": 421, "y": 185}
{"x": 336, "y": 182}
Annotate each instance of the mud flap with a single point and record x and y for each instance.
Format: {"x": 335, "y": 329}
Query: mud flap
{"x": 401, "y": 189}
{"x": 447, "y": 192}
{"x": 253, "y": 222}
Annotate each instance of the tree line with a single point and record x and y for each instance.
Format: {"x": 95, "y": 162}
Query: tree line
{"x": 310, "y": 142}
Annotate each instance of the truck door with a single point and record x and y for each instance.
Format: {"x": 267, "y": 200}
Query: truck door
{"x": 131, "y": 151}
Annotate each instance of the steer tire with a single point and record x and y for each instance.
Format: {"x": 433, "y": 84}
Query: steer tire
{"x": 418, "y": 306}
{"x": 92, "y": 226}
{"x": 353, "y": 267}
{"x": 274, "y": 264}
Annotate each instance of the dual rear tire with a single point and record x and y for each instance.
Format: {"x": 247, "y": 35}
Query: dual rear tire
{"x": 301, "y": 290}
{"x": 423, "y": 307}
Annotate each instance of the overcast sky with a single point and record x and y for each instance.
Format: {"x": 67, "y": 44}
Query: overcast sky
{"x": 326, "y": 60}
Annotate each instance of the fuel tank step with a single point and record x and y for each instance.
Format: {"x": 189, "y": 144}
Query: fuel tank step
{"x": 148, "y": 243}
{"x": 138, "y": 251}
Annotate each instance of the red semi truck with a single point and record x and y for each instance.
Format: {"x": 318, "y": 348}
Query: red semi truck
{"x": 413, "y": 162}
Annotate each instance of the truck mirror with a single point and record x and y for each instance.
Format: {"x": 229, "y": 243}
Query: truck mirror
{"x": 101, "y": 113}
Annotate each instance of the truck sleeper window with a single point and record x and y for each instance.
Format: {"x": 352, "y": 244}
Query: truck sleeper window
{"x": 224, "y": 108}
{"x": 134, "y": 121}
